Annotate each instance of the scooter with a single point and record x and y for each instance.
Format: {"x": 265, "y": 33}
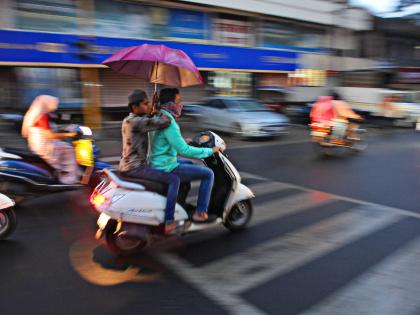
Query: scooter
{"x": 24, "y": 174}
{"x": 132, "y": 210}
{"x": 327, "y": 143}
{"x": 8, "y": 220}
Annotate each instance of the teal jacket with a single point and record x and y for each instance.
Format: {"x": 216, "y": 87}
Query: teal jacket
{"x": 168, "y": 143}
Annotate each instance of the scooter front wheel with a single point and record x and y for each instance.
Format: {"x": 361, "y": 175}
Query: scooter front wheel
{"x": 239, "y": 216}
{"x": 119, "y": 243}
{"x": 8, "y": 223}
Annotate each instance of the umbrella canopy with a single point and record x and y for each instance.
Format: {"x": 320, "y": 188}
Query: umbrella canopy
{"x": 156, "y": 64}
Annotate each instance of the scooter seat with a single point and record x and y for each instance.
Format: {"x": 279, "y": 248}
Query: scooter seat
{"x": 158, "y": 187}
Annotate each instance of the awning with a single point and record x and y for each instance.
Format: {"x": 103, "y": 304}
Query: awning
{"x": 66, "y": 50}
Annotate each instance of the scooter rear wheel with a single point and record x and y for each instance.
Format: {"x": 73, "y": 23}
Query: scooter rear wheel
{"x": 8, "y": 223}
{"x": 120, "y": 244}
{"x": 239, "y": 216}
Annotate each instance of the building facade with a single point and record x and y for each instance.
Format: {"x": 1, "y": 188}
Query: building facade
{"x": 248, "y": 48}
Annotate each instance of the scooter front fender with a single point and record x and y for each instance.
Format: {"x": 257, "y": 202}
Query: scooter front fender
{"x": 243, "y": 193}
{"x": 6, "y": 202}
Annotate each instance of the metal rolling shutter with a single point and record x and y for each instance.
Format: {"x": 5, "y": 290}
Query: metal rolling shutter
{"x": 116, "y": 87}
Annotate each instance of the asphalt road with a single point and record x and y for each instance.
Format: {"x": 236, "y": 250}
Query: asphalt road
{"x": 329, "y": 236}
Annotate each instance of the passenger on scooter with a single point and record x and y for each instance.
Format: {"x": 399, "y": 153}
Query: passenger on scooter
{"x": 168, "y": 143}
{"x": 342, "y": 113}
{"x": 135, "y": 141}
{"x": 322, "y": 112}
{"x": 43, "y": 141}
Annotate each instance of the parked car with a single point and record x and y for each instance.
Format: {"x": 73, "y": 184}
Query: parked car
{"x": 245, "y": 117}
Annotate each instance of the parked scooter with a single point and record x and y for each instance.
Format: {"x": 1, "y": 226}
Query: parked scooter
{"x": 132, "y": 210}
{"x": 24, "y": 174}
{"x": 7, "y": 217}
{"x": 327, "y": 143}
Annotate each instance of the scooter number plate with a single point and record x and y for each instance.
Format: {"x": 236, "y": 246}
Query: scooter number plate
{"x": 103, "y": 221}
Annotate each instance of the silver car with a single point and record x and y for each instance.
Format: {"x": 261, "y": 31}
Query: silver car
{"x": 244, "y": 117}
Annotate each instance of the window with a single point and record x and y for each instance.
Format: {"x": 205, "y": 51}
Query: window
{"x": 217, "y": 104}
{"x": 60, "y": 82}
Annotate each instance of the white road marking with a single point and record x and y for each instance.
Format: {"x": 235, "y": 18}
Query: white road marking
{"x": 391, "y": 287}
{"x": 223, "y": 281}
{"x": 403, "y": 212}
{"x": 280, "y": 255}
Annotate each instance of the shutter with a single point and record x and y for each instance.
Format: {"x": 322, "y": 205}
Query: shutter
{"x": 116, "y": 88}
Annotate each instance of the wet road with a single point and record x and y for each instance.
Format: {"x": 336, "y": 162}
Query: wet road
{"x": 329, "y": 236}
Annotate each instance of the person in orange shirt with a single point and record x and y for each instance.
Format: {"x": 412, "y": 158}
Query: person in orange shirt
{"x": 342, "y": 113}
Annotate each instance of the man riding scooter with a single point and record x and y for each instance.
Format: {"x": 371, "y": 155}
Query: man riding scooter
{"x": 135, "y": 128}
{"x": 168, "y": 143}
{"x": 331, "y": 112}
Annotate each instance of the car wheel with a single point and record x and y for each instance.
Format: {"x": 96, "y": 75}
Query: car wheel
{"x": 237, "y": 132}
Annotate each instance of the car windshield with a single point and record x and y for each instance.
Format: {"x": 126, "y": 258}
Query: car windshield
{"x": 245, "y": 105}
{"x": 407, "y": 98}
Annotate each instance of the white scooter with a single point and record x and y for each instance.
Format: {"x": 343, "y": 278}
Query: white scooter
{"x": 132, "y": 210}
{"x": 7, "y": 217}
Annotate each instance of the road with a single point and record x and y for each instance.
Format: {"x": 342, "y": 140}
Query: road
{"x": 329, "y": 236}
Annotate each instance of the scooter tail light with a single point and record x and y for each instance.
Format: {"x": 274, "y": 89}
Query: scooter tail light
{"x": 98, "y": 200}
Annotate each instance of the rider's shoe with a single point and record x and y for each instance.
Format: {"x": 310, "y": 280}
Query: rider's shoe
{"x": 203, "y": 217}
{"x": 169, "y": 228}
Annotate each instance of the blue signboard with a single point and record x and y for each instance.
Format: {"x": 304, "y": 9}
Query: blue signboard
{"x": 30, "y": 47}
{"x": 188, "y": 24}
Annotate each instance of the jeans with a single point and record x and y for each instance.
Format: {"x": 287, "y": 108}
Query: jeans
{"x": 170, "y": 179}
{"x": 188, "y": 172}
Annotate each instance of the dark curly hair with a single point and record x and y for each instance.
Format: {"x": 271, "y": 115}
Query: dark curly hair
{"x": 167, "y": 95}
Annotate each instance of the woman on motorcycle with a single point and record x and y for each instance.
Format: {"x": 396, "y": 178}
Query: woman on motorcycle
{"x": 43, "y": 141}
{"x": 168, "y": 143}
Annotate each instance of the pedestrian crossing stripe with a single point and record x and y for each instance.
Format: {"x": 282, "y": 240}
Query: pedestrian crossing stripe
{"x": 225, "y": 279}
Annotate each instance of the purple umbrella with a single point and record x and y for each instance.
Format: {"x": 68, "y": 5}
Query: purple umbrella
{"x": 157, "y": 64}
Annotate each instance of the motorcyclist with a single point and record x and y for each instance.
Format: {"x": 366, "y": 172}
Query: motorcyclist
{"x": 332, "y": 112}
{"x": 342, "y": 113}
{"x": 322, "y": 112}
{"x": 43, "y": 141}
{"x": 135, "y": 140}
{"x": 168, "y": 143}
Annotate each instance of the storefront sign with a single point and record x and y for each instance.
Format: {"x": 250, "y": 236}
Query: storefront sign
{"x": 188, "y": 24}
{"x": 233, "y": 32}
{"x": 31, "y": 47}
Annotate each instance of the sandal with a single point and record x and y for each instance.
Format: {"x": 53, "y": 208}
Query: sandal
{"x": 169, "y": 228}
{"x": 200, "y": 217}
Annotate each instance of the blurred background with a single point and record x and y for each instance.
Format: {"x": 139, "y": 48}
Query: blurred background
{"x": 254, "y": 56}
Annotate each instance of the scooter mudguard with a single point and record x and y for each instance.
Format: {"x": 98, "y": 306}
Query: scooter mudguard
{"x": 243, "y": 193}
{"x": 5, "y": 202}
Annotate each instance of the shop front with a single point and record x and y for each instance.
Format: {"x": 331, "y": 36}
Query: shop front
{"x": 69, "y": 66}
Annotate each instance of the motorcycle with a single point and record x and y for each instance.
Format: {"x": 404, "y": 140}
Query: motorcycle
{"x": 132, "y": 210}
{"x": 326, "y": 142}
{"x": 24, "y": 174}
{"x": 8, "y": 220}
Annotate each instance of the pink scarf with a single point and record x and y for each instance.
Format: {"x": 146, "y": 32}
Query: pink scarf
{"x": 173, "y": 108}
